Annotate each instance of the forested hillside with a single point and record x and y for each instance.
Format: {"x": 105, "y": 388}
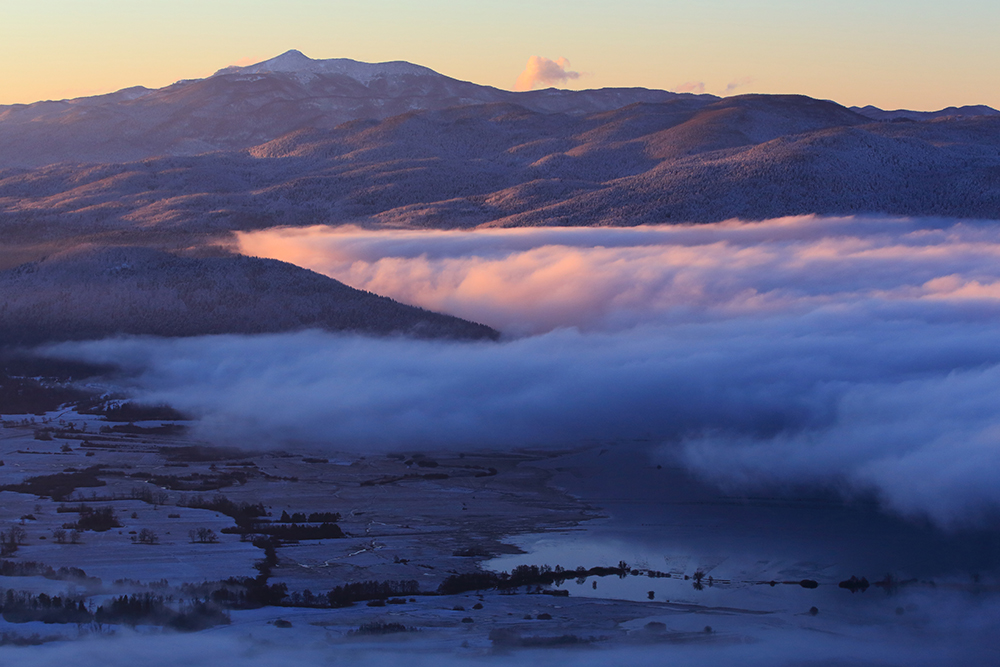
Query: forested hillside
{"x": 91, "y": 293}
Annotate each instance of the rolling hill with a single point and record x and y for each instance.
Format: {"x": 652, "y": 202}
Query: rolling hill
{"x": 499, "y": 164}
{"x": 96, "y": 292}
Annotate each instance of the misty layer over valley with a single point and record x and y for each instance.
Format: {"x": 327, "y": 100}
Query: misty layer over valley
{"x": 854, "y": 353}
{"x": 379, "y": 341}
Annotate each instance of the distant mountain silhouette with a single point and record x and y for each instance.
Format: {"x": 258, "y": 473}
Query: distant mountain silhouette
{"x": 903, "y": 114}
{"x": 240, "y": 107}
{"x": 92, "y": 292}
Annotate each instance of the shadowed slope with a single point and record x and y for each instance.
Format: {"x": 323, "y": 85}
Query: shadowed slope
{"x": 93, "y": 293}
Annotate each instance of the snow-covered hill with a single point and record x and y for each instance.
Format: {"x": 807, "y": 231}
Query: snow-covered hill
{"x": 752, "y": 157}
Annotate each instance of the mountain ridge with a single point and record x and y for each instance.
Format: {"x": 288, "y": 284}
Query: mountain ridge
{"x": 751, "y": 156}
{"x": 294, "y": 61}
{"x": 875, "y": 113}
{"x": 238, "y": 108}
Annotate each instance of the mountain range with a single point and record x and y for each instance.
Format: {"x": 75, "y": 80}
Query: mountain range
{"x": 241, "y": 107}
{"x": 295, "y": 141}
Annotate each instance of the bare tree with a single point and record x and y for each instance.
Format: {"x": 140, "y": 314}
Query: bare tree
{"x": 7, "y": 546}
{"x": 11, "y": 539}
{"x": 17, "y": 534}
{"x": 203, "y": 535}
{"x": 147, "y": 536}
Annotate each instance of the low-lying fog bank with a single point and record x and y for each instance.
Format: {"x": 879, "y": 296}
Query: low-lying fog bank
{"x": 967, "y": 640}
{"x": 852, "y": 353}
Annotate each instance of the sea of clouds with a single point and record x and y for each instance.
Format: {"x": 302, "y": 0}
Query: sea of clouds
{"x": 855, "y": 353}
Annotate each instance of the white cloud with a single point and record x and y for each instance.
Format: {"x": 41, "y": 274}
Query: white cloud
{"x": 537, "y": 280}
{"x": 855, "y": 353}
{"x": 544, "y": 72}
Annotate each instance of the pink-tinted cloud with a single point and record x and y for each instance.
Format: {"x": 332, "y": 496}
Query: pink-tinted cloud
{"x": 245, "y": 61}
{"x": 737, "y": 83}
{"x": 541, "y": 72}
{"x": 533, "y": 281}
{"x": 696, "y": 87}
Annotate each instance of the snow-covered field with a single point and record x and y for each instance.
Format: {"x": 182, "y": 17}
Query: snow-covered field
{"x": 534, "y": 510}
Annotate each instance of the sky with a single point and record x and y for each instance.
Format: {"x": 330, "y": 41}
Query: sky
{"x": 916, "y": 54}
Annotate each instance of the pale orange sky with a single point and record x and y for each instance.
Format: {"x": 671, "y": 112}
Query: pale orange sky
{"x": 892, "y": 53}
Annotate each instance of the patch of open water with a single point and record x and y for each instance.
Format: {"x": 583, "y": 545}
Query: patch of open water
{"x": 659, "y": 518}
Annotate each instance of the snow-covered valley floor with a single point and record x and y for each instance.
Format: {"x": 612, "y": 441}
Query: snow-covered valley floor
{"x": 425, "y": 516}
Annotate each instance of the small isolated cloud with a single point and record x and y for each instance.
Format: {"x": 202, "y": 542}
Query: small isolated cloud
{"x": 738, "y": 83}
{"x": 544, "y": 72}
{"x": 697, "y": 87}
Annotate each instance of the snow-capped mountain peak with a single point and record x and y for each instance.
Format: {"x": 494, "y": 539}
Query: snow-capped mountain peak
{"x": 296, "y": 62}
